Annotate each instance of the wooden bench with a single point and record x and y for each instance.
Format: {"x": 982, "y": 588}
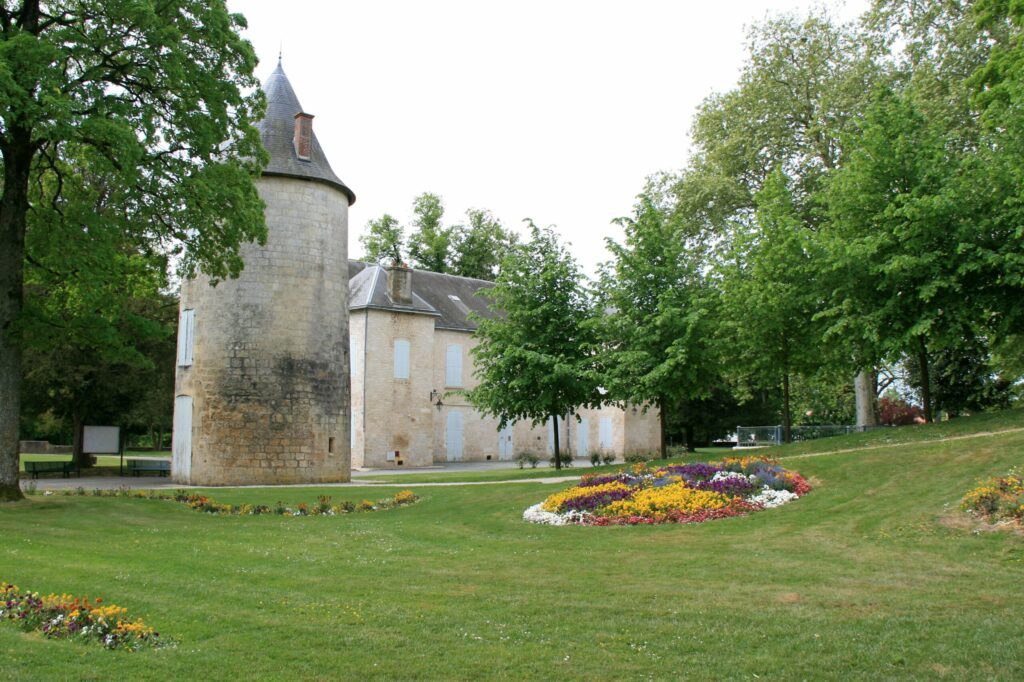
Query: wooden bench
{"x": 161, "y": 467}
{"x": 63, "y": 467}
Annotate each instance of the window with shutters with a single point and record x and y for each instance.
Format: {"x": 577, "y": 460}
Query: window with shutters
{"x": 401, "y": 359}
{"x": 186, "y": 337}
{"x": 453, "y": 365}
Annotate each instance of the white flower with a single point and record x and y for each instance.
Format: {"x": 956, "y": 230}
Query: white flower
{"x": 536, "y": 514}
{"x": 769, "y": 498}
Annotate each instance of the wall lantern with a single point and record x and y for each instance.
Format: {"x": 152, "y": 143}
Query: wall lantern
{"x": 435, "y": 397}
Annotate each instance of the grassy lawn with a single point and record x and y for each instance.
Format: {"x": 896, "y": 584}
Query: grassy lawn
{"x": 860, "y": 579}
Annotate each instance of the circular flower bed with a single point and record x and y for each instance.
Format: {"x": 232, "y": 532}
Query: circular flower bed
{"x": 998, "y": 501}
{"x": 678, "y": 493}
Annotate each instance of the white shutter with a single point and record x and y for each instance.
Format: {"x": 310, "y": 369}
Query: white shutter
{"x": 605, "y": 433}
{"x": 583, "y": 437}
{"x": 401, "y": 359}
{"x": 453, "y": 365}
{"x": 186, "y": 337}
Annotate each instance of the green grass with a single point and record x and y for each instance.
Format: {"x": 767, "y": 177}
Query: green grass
{"x": 860, "y": 579}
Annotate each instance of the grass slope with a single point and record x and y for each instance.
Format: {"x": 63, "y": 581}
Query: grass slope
{"x": 857, "y": 580}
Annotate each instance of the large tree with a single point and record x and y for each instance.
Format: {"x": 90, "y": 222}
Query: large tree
{"x": 799, "y": 92}
{"x": 151, "y": 97}
{"x": 656, "y": 326}
{"x": 533, "y": 359}
{"x": 769, "y": 331}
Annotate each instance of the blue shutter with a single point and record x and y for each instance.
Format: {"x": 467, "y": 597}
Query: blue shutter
{"x": 453, "y": 365}
{"x": 401, "y": 359}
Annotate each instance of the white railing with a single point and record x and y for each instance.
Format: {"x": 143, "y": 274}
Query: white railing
{"x": 763, "y": 436}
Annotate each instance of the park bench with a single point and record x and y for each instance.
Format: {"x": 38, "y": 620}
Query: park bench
{"x": 63, "y": 467}
{"x": 161, "y": 467}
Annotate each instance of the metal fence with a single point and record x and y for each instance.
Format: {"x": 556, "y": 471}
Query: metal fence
{"x": 762, "y": 436}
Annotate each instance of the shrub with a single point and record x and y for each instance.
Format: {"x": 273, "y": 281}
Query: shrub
{"x": 595, "y": 458}
{"x": 524, "y": 458}
{"x": 564, "y": 457}
{"x": 608, "y": 457}
{"x": 897, "y": 412}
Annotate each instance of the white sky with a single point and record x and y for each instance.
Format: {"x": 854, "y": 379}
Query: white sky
{"x": 552, "y": 110}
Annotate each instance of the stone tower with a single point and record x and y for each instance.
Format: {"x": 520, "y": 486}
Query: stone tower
{"x": 262, "y": 384}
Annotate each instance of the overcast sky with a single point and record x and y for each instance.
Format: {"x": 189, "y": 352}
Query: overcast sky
{"x": 555, "y": 111}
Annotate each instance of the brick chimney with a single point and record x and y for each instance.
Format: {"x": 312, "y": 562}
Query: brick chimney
{"x": 400, "y": 284}
{"x": 303, "y": 135}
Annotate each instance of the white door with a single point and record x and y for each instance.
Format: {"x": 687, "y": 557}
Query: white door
{"x": 505, "y": 443}
{"x": 605, "y": 433}
{"x": 181, "y": 463}
{"x": 453, "y": 436}
{"x": 583, "y": 438}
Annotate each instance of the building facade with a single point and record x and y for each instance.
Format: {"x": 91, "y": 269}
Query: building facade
{"x": 411, "y": 337}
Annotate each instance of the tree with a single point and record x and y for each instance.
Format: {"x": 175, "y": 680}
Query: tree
{"x": 893, "y": 238}
{"x": 430, "y": 243}
{"x": 798, "y": 95}
{"x": 656, "y": 329}
{"x": 149, "y": 96}
{"x": 480, "y": 246}
{"x": 533, "y": 360}
{"x": 769, "y": 297}
{"x": 383, "y": 241}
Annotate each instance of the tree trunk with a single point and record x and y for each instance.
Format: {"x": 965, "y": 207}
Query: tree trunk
{"x": 689, "y": 439}
{"x": 17, "y": 150}
{"x": 926, "y": 388}
{"x": 864, "y": 385}
{"x": 787, "y": 420}
{"x": 81, "y": 460}
{"x": 554, "y": 432}
{"x": 663, "y": 451}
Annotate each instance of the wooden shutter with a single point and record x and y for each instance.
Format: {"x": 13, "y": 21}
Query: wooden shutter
{"x": 401, "y": 359}
{"x": 453, "y": 365}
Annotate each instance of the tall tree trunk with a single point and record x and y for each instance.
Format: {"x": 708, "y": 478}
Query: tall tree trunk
{"x": 17, "y": 150}
{"x": 926, "y": 387}
{"x": 662, "y": 450}
{"x": 689, "y": 439}
{"x": 81, "y": 460}
{"x": 554, "y": 432}
{"x": 787, "y": 419}
{"x": 865, "y": 390}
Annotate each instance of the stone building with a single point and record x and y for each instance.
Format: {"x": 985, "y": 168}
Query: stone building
{"x": 265, "y": 389}
{"x": 262, "y": 383}
{"x": 411, "y": 336}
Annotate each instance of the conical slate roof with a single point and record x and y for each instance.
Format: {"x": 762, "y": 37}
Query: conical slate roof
{"x": 278, "y": 131}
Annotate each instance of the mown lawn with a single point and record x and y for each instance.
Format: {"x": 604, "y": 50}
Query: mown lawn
{"x": 860, "y": 579}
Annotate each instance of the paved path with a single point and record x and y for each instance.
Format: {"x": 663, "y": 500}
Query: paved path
{"x": 983, "y": 434}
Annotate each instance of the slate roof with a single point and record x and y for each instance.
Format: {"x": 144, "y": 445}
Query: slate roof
{"x": 277, "y": 129}
{"x": 448, "y": 298}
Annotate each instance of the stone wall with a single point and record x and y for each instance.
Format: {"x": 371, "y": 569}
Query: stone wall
{"x": 270, "y": 375}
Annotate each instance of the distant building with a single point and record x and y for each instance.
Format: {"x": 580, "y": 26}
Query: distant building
{"x": 411, "y": 337}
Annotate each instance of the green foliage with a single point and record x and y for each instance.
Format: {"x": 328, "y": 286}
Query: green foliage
{"x": 524, "y": 458}
{"x": 127, "y": 127}
{"x": 480, "y": 246}
{"x": 532, "y": 361}
{"x": 655, "y": 330}
{"x": 383, "y": 241}
{"x": 430, "y": 243}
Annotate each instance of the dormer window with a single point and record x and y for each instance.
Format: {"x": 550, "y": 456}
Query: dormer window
{"x": 303, "y": 135}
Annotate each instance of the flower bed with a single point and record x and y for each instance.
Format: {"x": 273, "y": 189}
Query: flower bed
{"x": 998, "y": 500}
{"x": 324, "y": 506}
{"x": 68, "y": 617}
{"x": 686, "y": 493}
